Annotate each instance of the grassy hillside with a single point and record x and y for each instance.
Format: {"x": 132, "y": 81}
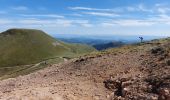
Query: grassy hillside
{"x": 26, "y": 46}
{"x": 131, "y": 72}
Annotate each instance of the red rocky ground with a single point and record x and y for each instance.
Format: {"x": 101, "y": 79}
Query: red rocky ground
{"x": 138, "y": 72}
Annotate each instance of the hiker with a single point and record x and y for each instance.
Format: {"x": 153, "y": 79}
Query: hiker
{"x": 141, "y": 38}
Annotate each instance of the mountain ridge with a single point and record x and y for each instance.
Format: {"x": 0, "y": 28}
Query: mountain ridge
{"x": 32, "y": 46}
{"x": 24, "y": 51}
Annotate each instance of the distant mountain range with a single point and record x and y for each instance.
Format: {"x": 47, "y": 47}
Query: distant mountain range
{"x": 108, "y": 45}
{"x": 89, "y": 41}
{"x": 104, "y": 42}
{"x": 98, "y": 44}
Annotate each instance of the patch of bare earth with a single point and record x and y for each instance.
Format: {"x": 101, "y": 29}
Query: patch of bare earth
{"x": 136, "y": 74}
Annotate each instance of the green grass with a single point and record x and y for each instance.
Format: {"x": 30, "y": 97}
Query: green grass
{"x": 145, "y": 46}
{"x": 11, "y": 72}
{"x": 25, "y": 46}
{"x": 21, "y": 49}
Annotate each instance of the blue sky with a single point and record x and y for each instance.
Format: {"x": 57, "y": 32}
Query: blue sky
{"x": 88, "y": 17}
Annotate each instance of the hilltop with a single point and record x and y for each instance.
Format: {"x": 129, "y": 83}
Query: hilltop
{"x": 23, "y": 50}
{"x": 26, "y": 46}
{"x": 132, "y": 72}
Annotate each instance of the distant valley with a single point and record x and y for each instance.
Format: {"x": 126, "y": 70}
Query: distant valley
{"x": 103, "y": 42}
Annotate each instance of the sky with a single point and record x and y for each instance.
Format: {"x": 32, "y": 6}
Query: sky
{"x": 88, "y": 17}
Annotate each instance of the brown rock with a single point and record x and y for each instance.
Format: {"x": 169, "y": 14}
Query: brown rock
{"x": 125, "y": 91}
{"x": 168, "y": 62}
{"x": 161, "y": 97}
{"x": 164, "y": 92}
{"x": 111, "y": 96}
{"x": 125, "y": 84}
{"x": 154, "y": 98}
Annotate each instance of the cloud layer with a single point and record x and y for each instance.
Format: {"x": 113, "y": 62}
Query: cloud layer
{"x": 138, "y": 16}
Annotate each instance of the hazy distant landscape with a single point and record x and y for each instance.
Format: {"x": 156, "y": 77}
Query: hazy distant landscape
{"x": 104, "y": 42}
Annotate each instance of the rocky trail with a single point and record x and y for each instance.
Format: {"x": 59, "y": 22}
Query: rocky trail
{"x": 127, "y": 73}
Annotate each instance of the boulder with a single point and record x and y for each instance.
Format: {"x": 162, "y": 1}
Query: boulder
{"x": 168, "y": 62}
{"x": 157, "y": 50}
{"x": 164, "y": 94}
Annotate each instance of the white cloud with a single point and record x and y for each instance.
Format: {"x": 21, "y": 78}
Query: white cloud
{"x": 160, "y": 4}
{"x": 47, "y": 23}
{"x": 163, "y": 18}
{"x": 90, "y": 9}
{"x": 163, "y": 10}
{"x": 76, "y": 14}
{"x": 80, "y": 8}
{"x": 44, "y": 15}
{"x": 131, "y": 9}
{"x": 107, "y": 24}
{"x": 104, "y": 14}
{"x": 104, "y": 18}
{"x": 84, "y": 23}
{"x": 96, "y": 11}
{"x": 126, "y": 22}
{"x": 139, "y": 8}
{"x": 5, "y": 21}
{"x": 20, "y": 8}
{"x": 32, "y": 22}
{"x": 134, "y": 22}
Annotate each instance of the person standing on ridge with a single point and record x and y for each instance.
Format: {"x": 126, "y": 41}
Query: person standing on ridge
{"x": 141, "y": 38}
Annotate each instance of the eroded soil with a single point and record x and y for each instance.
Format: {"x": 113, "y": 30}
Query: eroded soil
{"x": 128, "y": 73}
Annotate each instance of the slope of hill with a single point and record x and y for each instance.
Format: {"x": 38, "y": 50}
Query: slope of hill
{"x": 132, "y": 72}
{"x": 26, "y": 46}
{"x": 24, "y": 51}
